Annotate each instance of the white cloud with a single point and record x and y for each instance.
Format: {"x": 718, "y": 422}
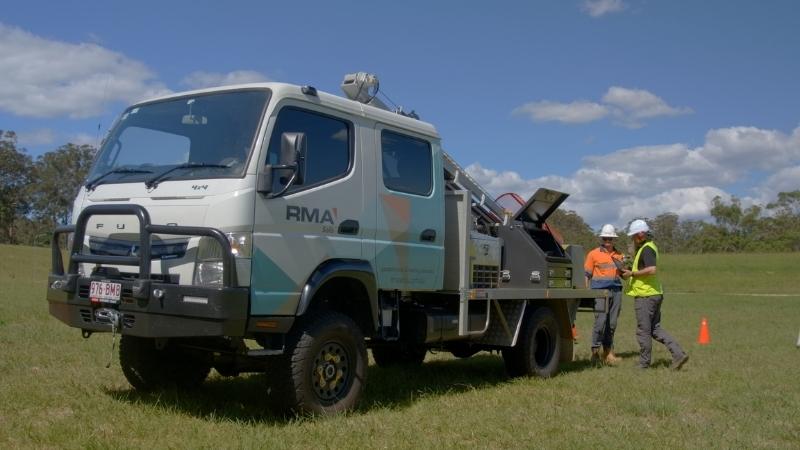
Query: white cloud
{"x": 650, "y": 180}
{"x": 784, "y": 180}
{"x": 83, "y": 139}
{"x": 46, "y": 78}
{"x": 598, "y": 8}
{"x": 688, "y": 203}
{"x": 632, "y": 105}
{"x": 752, "y": 147}
{"x": 627, "y": 106}
{"x": 575, "y": 112}
{"x": 201, "y": 79}
{"x": 33, "y": 138}
{"x": 44, "y": 137}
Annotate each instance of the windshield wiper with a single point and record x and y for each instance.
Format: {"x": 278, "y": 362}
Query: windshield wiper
{"x": 90, "y": 185}
{"x": 153, "y": 182}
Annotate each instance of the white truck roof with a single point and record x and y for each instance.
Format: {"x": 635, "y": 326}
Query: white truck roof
{"x": 285, "y": 90}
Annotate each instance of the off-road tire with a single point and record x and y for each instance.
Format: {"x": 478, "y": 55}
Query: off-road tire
{"x": 148, "y": 368}
{"x": 538, "y": 350}
{"x": 323, "y": 369}
{"x": 399, "y": 355}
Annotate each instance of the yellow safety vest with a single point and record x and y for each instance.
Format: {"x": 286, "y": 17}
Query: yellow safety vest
{"x": 644, "y": 285}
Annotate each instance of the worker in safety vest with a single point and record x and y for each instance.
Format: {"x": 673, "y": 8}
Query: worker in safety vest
{"x": 648, "y": 296}
{"x": 603, "y": 267}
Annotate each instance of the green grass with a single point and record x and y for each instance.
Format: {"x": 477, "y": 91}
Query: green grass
{"x": 741, "y": 391}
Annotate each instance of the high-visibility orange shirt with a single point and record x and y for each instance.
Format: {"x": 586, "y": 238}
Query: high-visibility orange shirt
{"x": 601, "y": 269}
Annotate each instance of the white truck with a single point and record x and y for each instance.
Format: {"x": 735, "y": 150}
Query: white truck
{"x": 274, "y": 228}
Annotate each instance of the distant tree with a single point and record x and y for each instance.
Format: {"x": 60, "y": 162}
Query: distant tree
{"x": 736, "y": 225}
{"x": 57, "y": 176}
{"x": 573, "y": 228}
{"x": 666, "y": 231}
{"x": 15, "y": 173}
{"x": 688, "y": 232}
{"x": 788, "y": 204}
{"x": 783, "y": 227}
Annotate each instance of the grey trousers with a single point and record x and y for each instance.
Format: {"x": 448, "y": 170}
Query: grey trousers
{"x": 605, "y": 323}
{"x": 648, "y": 327}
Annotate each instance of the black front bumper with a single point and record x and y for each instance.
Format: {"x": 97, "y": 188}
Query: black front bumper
{"x": 224, "y": 312}
{"x": 149, "y": 307}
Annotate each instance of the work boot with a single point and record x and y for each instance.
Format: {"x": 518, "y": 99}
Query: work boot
{"x": 678, "y": 362}
{"x": 595, "y": 360}
{"x": 609, "y": 357}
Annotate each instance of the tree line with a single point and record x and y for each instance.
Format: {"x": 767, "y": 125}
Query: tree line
{"x": 774, "y": 227}
{"x": 36, "y": 195}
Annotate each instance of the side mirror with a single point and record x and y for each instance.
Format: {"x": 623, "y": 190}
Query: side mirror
{"x": 290, "y": 168}
{"x": 264, "y": 180}
{"x": 293, "y": 156}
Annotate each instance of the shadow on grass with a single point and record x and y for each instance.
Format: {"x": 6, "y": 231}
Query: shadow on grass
{"x": 240, "y": 399}
{"x": 580, "y": 365}
{"x": 397, "y": 387}
{"x": 245, "y": 399}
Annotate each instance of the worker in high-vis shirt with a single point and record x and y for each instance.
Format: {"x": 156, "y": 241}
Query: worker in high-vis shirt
{"x": 645, "y": 288}
{"x": 603, "y": 267}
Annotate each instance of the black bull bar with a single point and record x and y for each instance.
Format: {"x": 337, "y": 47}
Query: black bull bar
{"x": 157, "y": 306}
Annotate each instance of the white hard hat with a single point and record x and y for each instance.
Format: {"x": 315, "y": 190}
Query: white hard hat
{"x": 638, "y": 226}
{"x": 608, "y": 231}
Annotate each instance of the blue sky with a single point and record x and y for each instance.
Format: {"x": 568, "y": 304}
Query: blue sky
{"x": 632, "y": 107}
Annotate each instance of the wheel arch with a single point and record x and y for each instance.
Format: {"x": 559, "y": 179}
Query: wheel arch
{"x": 345, "y": 285}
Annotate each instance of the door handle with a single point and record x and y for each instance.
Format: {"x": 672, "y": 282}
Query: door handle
{"x": 428, "y": 235}
{"x": 349, "y": 226}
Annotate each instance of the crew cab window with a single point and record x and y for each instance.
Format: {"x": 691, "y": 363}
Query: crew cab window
{"x": 328, "y": 141}
{"x": 407, "y": 163}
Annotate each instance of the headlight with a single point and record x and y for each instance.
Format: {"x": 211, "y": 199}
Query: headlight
{"x": 208, "y": 273}
{"x": 209, "y": 268}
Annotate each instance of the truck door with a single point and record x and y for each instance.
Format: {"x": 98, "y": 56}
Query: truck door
{"x": 316, "y": 220}
{"x": 409, "y": 234}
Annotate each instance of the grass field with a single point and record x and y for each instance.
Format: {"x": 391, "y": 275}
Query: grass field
{"x": 741, "y": 391}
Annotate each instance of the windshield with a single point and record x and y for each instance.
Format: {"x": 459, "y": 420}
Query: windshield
{"x": 210, "y": 135}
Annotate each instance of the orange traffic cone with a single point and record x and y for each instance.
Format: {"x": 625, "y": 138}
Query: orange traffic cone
{"x": 574, "y": 333}
{"x": 703, "y": 338}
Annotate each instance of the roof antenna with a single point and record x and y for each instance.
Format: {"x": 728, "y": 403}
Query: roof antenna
{"x": 97, "y": 141}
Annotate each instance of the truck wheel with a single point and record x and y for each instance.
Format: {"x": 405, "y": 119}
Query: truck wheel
{"x": 399, "y": 355}
{"x": 148, "y": 368}
{"x": 539, "y": 347}
{"x": 323, "y": 367}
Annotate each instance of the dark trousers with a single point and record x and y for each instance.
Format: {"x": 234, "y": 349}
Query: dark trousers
{"x": 648, "y": 327}
{"x": 605, "y": 323}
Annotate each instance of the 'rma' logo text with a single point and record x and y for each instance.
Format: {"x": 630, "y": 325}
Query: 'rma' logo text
{"x": 313, "y": 215}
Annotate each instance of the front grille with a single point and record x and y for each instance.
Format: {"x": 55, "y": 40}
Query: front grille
{"x": 161, "y": 249}
{"x": 170, "y": 278}
{"x": 485, "y": 277}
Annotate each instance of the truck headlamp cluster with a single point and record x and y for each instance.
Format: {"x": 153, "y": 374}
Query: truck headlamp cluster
{"x": 241, "y": 244}
{"x": 208, "y": 268}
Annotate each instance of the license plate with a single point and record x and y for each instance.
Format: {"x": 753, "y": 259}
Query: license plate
{"x": 105, "y": 292}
